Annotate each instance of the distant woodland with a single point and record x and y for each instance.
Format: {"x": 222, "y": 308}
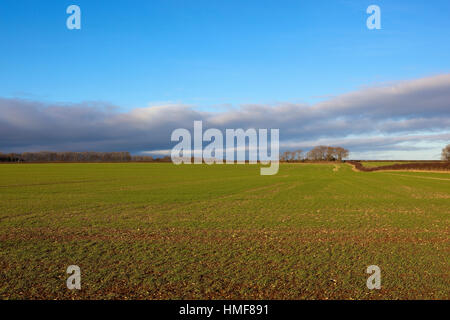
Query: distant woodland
{"x": 319, "y": 153}
{"x": 48, "y": 156}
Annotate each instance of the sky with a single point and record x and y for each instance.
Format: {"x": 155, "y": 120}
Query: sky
{"x": 138, "y": 69}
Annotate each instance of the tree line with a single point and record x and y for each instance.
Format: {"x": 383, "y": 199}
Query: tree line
{"x": 319, "y": 153}
{"x": 68, "y": 156}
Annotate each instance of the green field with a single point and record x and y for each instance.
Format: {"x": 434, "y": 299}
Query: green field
{"x": 159, "y": 231}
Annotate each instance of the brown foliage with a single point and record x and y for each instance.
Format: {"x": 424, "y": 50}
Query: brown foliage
{"x": 446, "y": 153}
{"x": 68, "y": 156}
{"x": 327, "y": 153}
{"x": 435, "y": 166}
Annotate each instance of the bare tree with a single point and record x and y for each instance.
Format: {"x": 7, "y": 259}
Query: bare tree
{"x": 446, "y": 153}
{"x": 330, "y": 154}
{"x": 341, "y": 153}
{"x": 142, "y": 158}
{"x": 327, "y": 153}
{"x": 298, "y": 154}
{"x": 317, "y": 153}
{"x": 312, "y": 154}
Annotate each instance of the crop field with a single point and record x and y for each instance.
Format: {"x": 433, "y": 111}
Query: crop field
{"x": 160, "y": 231}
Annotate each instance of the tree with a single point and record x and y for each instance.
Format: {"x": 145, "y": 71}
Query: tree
{"x": 341, "y": 153}
{"x": 331, "y": 154}
{"x": 317, "y": 153}
{"x": 288, "y": 155}
{"x": 326, "y": 153}
{"x": 446, "y": 153}
{"x": 298, "y": 154}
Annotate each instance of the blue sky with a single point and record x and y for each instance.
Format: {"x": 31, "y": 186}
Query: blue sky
{"x": 217, "y": 56}
{"x": 210, "y": 53}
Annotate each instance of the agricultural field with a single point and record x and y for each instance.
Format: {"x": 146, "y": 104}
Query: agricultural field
{"x": 160, "y": 231}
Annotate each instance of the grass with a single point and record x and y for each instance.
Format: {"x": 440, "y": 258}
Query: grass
{"x": 159, "y": 231}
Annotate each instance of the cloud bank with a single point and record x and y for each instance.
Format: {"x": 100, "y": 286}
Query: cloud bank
{"x": 407, "y": 119}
